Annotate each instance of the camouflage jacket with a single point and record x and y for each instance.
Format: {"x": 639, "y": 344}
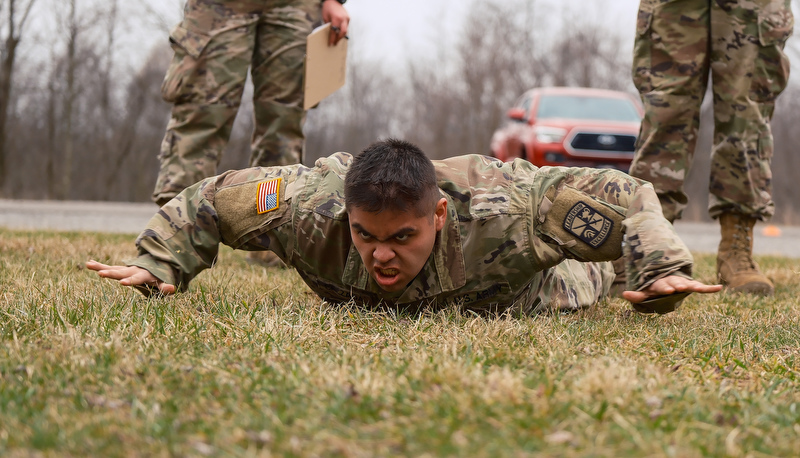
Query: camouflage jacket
{"x": 506, "y": 223}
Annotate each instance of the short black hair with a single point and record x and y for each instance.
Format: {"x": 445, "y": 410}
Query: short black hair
{"x": 392, "y": 174}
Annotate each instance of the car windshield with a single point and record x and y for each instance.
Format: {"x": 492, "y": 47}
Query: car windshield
{"x": 583, "y": 107}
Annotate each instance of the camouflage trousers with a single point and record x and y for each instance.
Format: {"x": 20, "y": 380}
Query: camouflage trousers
{"x": 214, "y": 45}
{"x": 739, "y": 43}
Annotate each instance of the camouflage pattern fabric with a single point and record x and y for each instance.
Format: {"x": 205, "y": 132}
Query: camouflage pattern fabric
{"x": 740, "y": 43}
{"x": 496, "y": 252}
{"x": 214, "y": 45}
{"x": 569, "y": 286}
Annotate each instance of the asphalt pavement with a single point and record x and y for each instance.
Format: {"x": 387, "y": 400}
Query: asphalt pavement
{"x": 131, "y": 218}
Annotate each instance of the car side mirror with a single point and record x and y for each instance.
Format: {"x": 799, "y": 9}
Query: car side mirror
{"x": 516, "y": 114}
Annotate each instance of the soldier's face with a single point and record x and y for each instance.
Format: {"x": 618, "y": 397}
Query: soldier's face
{"x": 394, "y": 245}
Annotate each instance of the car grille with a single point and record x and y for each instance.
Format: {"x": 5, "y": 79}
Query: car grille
{"x": 603, "y": 142}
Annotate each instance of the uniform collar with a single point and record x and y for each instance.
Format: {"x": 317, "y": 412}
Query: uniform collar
{"x": 444, "y": 271}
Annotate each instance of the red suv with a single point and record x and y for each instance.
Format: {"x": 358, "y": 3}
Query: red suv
{"x": 571, "y": 126}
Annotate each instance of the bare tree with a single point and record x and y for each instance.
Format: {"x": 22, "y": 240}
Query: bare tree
{"x": 139, "y": 131}
{"x": 14, "y": 30}
{"x": 369, "y": 106}
{"x": 587, "y": 54}
{"x": 498, "y": 62}
{"x": 785, "y": 162}
{"x": 51, "y": 145}
{"x": 84, "y": 75}
{"x": 79, "y": 114}
{"x": 69, "y": 98}
{"x": 111, "y": 35}
{"x": 502, "y": 53}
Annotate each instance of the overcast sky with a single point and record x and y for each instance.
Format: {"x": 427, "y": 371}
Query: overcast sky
{"x": 406, "y": 26}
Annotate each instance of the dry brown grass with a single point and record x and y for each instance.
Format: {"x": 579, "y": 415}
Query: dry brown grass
{"x": 249, "y": 362}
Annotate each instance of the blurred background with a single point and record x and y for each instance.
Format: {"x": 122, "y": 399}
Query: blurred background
{"x": 81, "y": 116}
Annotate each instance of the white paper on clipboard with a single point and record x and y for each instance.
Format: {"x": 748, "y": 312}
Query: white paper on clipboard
{"x": 325, "y": 66}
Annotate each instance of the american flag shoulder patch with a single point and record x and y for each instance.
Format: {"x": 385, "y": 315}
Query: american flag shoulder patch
{"x": 268, "y": 195}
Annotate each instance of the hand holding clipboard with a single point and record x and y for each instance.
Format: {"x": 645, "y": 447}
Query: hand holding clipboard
{"x": 325, "y": 66}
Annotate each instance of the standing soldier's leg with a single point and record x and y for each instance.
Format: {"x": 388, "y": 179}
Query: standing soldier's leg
{"x": 277, "y": 72}
{"x": 670, "y": 70}
{"x": 749, "y": 70}
{"x": 205, "y": 81}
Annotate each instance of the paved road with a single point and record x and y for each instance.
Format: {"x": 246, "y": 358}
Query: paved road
{"x": 125, "y": 217}
{"x": 118, "y": 217}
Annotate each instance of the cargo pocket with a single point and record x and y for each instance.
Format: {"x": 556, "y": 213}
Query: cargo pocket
{"x": 188, "y": 45}
{"x": 775, "y": 27}
{"x": 765, "y": 145}
{"x": 771, "y": 67}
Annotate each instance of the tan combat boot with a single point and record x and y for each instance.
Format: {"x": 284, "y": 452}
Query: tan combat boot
{"x": 735, "y": 266}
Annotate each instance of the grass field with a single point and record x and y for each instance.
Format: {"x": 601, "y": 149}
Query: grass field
{"x": 249, "y": 362}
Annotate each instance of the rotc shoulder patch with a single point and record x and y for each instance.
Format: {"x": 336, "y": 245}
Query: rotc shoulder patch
{"x": 582, "y": 226}
{"x": 588, "y": 224}
{"x": 268, "y": 195}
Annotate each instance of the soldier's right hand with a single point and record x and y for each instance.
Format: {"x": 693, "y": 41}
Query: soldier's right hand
{"x": 131, "y": 276}
{"x": 334, "y": 12}
{"x": 666, "y": 294}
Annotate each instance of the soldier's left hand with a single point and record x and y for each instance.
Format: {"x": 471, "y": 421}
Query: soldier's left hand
{"x": 670, "y": 285}
{"x": 132, "y": 276}
{"x": 334, "y": 12}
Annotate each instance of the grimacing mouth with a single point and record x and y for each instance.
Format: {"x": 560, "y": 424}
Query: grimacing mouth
{"x": 387, "y": 272}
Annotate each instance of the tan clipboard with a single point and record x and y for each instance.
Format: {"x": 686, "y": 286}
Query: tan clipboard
{"x": 325, "y": 66}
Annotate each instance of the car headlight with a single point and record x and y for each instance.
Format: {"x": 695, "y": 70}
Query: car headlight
{"x": 549, "y": 134}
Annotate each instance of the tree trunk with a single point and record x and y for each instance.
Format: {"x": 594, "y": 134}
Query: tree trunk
{"x": 69, "y": 102}
{"x": 49, "y": 168}
{"x": 9, "y": 56}
{"x": 6, "y": 73}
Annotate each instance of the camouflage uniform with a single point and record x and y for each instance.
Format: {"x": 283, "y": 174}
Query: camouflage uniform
{"x": 512, "y": 240}
{"x": 214, "y": 45}
{"x": 741, "y": 43}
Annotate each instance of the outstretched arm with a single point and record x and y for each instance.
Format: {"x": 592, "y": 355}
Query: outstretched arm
{"x": 183, "y": 238}
{"x": 598, "y": 215}
{"x": 131, "y": 276}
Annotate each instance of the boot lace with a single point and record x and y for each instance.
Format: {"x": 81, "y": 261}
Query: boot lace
{"x": 741, "y": 247}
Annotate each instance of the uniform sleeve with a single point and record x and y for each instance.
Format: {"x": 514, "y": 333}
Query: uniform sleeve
{"x": 601, "y": 214}
{"x": 243, "y": 209}
{"x": 651, "y": 249}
